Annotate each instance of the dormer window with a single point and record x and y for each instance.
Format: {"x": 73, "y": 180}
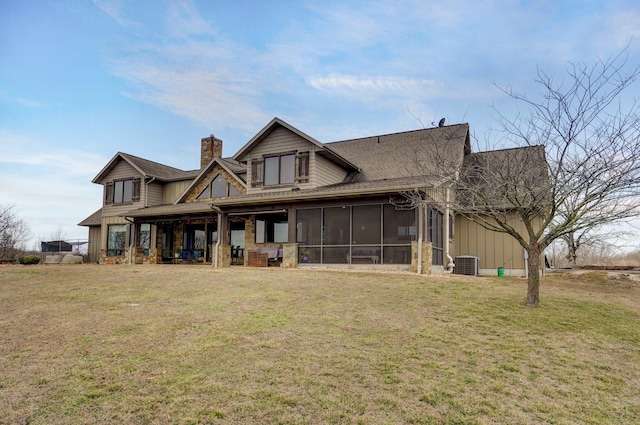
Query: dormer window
{"x": 279, "y": 169}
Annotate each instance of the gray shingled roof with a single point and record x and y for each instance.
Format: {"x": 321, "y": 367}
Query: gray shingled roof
{"x": 386, "y": 186}
{"x": 233, "y": 165}
{"x": 147, "y": 168}
{"x": 388, "y": 163}
{"x": 160, "y": 171}
{"x": 94, "y": 219}
{"x": 407, "y": 154}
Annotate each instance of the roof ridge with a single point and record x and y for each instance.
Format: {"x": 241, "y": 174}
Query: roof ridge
{"x": 396, "y": 133}
{"x": 509, "y": 149}
{"x": 152, "y": 161}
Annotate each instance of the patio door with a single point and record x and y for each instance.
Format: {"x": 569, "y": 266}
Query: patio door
{"x": 237, "y": 233}
{"x": 167, "y": 242}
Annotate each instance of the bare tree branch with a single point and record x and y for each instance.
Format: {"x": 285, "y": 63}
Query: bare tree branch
{"x": 576, "y": 166}
{"x": 14, "y": 233}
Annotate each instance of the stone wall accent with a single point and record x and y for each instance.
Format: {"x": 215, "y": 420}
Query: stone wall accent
{"x": 104, "y": 259}
{"x": 210, "y": 147}
{"x": 208, "y": 178}
{"x": 289, "y": 256}
{"x": 152, "y": 258}
{"x": 224, "y": 256}
{"x": 138, "y": 257}
{"x": 426, "y": 257}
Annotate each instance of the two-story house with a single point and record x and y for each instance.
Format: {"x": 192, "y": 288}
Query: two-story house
{"x": 286, "y": 198}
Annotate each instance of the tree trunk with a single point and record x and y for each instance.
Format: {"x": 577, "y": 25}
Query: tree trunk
{"x": 533, "y": 282}
{"x": 572, "y": 248}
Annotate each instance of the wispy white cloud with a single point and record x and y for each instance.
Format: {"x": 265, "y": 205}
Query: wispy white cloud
{"x": 113, "y": 9}
{"x": 365, "y": 87}
{"x": 184, "y": 20}
{"x": 623, "y": 28}
{"x": 216, "y": 97}
{"x": 28, "y": 103}
{"x": 35, "y": 173}
{"x": 43, "y": 156}
{"x": 395, "y": 55}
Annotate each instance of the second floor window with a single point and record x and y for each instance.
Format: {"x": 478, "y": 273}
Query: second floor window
{"x": 122, "y": 191}
{"x": 279, "y": 169}
{"x": 283, "y": 169}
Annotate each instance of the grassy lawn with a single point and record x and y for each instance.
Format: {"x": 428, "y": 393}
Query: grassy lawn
{"x": 193, "y": 345}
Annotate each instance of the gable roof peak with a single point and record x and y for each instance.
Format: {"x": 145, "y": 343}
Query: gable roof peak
{"x": 146, "y": 168}
{"x": 275, "y": 123}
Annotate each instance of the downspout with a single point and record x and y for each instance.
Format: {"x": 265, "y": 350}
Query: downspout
{"x": 214, "y": 261}
{"x": 420, "y": 218}
{"x": 132, "y": 242}
{"x": 450, "y": 264}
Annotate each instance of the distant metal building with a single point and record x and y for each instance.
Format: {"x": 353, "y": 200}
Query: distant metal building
{"x": 56, "y": 246}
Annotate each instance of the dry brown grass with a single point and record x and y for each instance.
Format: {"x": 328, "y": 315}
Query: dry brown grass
{"x": 192, "y": 345}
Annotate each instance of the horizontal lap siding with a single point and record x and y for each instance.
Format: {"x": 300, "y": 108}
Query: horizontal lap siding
{"x": 154, "y": 193}
{"x": 122, "y": 171}
{"x": 281, "y": 140}
{"x": 325, "y": 172}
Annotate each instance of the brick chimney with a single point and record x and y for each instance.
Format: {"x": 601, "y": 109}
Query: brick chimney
{"x": 210, "y": 148}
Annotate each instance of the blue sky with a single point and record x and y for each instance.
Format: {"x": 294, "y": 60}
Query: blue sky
{"x": 83, "y": 79}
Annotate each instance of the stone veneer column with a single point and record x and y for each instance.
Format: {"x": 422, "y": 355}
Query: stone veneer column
{"x": 426, "y": 257}
{"x": 289, "y": 256}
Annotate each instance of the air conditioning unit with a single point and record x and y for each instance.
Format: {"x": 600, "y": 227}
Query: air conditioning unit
{"x": 466, "y": 264}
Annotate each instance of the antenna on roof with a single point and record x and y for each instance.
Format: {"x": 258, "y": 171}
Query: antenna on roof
{"x": 441, "y": 123}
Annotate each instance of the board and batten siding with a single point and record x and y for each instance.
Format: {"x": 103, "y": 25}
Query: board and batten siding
{"x": 172, "y": 191}
{"x": 93, "y": 249}
{"x": 494, "y": 249}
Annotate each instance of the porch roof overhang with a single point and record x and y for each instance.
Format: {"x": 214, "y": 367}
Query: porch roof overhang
{"x": 260, "y": 200}
{"x": 187, "y": 208}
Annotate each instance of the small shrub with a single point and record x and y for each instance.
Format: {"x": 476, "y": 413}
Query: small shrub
{"x": 29, "y": 259}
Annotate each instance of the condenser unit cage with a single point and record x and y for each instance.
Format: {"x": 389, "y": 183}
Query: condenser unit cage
{"x": 466, "y": 264}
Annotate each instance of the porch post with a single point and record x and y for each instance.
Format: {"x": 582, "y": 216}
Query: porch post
{"x": 216, "y": 250}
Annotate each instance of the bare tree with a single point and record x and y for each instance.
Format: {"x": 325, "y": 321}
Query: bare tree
{"x": 594, "y": 237}
{"x": 58, "y": 235}
{"x": 577, "y": 166}
{"x": 14, "y": 233}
